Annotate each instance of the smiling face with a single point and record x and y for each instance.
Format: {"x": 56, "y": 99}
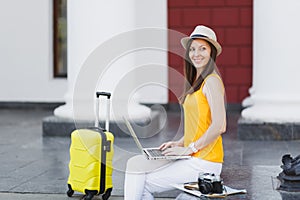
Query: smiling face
{"x": 199, "y": 53}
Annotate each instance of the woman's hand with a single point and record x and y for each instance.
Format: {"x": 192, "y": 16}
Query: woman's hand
{"x": 177, "y": 151}
{"x": 170, "y": 144}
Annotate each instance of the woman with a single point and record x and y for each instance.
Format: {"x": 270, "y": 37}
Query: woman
{"x": 204, "y": 122}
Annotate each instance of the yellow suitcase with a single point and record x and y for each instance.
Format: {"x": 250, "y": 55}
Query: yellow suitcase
{"x": 91, "y": 154}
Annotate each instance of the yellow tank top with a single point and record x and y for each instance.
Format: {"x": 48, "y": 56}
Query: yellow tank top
{"x": 197, "y": 119}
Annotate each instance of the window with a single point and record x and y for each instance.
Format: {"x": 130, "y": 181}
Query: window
{"x": 60, "y": 38}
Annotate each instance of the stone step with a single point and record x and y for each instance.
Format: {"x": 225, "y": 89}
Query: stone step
{"x": 57, "y": 126}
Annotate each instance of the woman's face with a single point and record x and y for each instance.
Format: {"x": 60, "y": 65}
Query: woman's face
{"x": 199, "y": 53}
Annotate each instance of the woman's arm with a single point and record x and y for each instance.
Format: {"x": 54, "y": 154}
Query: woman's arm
{"x": 214, "y": 92}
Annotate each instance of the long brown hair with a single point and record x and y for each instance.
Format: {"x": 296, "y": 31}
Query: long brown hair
{"x": 191, "y": 84}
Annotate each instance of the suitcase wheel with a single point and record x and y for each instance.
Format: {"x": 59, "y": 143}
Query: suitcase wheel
{"x": 70, "y": 192}
{"x": 90, "y": 194}
{"x": 107, "y": 194}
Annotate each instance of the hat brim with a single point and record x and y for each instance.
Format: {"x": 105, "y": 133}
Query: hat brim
{"x": 184, "y": 42}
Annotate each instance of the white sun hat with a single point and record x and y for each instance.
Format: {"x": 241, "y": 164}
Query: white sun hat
{"x": 204, "y": 33}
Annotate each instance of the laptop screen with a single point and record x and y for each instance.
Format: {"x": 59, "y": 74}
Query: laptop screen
{"x": 133, "y": 134}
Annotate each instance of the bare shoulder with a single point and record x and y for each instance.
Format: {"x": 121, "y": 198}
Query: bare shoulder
{"x": 214, "y": 79}
{"x": 213, "y": 82}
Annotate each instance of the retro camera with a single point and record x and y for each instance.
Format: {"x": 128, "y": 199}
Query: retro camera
{"x": 209, "y": 183}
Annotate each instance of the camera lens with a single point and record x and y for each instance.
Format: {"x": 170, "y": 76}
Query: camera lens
{"x": 204, "y": 187}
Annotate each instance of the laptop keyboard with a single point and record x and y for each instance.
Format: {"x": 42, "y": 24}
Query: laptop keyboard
{"x": 155, "y": 152}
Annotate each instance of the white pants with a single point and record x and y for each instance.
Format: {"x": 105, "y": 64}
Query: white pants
{"x": 144, "y": 177}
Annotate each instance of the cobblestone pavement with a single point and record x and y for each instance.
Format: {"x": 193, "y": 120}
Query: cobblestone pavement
{"x": 36, "y": 167}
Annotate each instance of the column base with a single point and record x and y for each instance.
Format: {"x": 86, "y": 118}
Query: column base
{"x": 63, "y": 127}
{"x": 258, "y": 130}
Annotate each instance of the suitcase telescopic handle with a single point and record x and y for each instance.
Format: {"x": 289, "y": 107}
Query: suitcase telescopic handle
{"x": 107, "y": 94}
{"x": 97, "y": 121}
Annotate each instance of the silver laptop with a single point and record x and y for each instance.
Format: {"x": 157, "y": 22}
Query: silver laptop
{"x": 151, "y": 153}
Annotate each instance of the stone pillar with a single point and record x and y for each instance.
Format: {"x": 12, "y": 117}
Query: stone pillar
{"x": 101, "y": 46}
{"x": 275, "y": 113}
{"x": 89, "y": 25}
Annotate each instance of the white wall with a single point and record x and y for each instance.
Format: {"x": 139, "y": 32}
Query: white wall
{"x": 25, "y": 53}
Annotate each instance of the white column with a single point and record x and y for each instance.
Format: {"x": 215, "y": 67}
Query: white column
{"x": 276, "y": 63}
{"x": 146, "y": 18}
{"x": 91, "y": 24}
